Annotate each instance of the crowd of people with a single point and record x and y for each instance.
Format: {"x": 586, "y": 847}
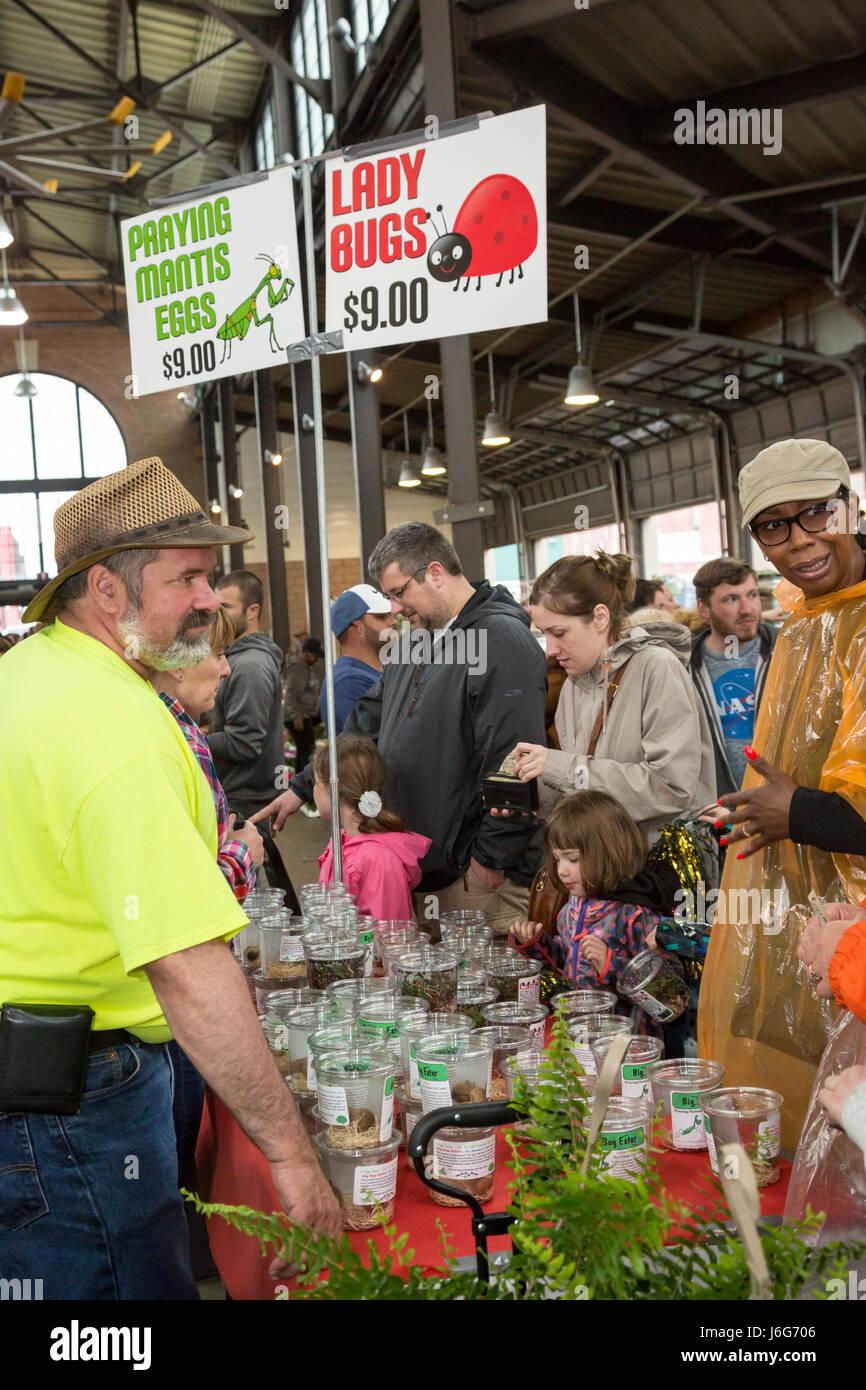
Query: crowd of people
{"x": 119, "y": 855}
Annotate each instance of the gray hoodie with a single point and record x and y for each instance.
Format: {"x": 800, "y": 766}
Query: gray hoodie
{"x": 655, "y": 754}
{"x": 246, "y": 737}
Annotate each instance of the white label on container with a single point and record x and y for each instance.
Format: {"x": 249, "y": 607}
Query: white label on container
{"x": 333, "y": 1106}
{"x": 435, "y": 1088}
{"x": 474, "y": 1159}
{"x": 414, "y": 1083}
{"x": 528, "y": 987}
{"x": 375, "y": 1182}
{"x": 410, "y": 1120}
{"x": 537, "y": 1032}
{"x": 586, "y": 1059}
{"x": 624, "y": 1154}
{"x": 386, "y": 1119}
{"x": 634, "y": 1082}
{"x": 687, "y": 1120}
{"x": 769, "y": 1138}
{"x": 651, "y": 1006}
{"x": 291, "y": 948}
{"x": 711, "y": 1144}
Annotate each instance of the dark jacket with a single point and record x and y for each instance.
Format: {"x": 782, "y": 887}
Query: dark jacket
{"x": 725, "y": 780}
{"x": 246, "y": 737}
{"x": 442, "y": 729}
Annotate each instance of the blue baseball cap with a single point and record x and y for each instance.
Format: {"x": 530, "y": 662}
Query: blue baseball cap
{"x": 354, "y": 603}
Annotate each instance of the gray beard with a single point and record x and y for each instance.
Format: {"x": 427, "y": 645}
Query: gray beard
{"x": 181, "y": 653}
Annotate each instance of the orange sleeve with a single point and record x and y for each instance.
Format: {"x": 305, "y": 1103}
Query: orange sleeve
{"x": 847, "y": 973}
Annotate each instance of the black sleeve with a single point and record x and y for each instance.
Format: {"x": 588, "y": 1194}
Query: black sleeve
{"x": 302, "y": 783}
{"x": 827, "y": 821}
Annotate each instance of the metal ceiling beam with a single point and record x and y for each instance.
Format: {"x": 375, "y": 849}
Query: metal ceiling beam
{"x": 97, "y": 260}
{"x": 320, "y": 91}
{"x": 517, "y": 16}
{"x": 599, "y": 114}
{"x": 846, "y": 77}
{"x": 199, "y": 66}
{"x": 571, "y": 188}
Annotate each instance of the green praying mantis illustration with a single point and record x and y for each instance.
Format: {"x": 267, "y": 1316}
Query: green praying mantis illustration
{"x": 237, "y": 324}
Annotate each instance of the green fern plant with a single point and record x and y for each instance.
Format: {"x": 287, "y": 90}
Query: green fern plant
{"x": 575, "y": 1236}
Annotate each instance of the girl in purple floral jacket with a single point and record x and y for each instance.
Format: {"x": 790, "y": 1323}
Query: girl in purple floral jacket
{"x": 591, "y": 846}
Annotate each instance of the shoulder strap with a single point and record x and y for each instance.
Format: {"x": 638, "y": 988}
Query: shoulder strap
{"x": 612, "y": 688}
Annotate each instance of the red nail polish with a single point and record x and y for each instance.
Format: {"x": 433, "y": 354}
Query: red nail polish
{"x": 739, "y": 856}
{"x": 723, "y": 840}
{"x": 750, "y": 753}
{"x": 717, "y": 825}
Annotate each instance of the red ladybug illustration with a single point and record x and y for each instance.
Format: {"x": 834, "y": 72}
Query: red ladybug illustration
{"x": 495, "y": 230}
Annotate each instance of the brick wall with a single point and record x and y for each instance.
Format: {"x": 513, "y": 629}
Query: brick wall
{"x": 98, "y": 358}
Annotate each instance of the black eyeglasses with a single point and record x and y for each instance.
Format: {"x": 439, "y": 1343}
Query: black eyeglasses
{"x": 397, "y": 596}
{"x": 776, "y": 530}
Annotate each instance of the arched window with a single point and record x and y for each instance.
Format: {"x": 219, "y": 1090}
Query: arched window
{"x": 51, "y": 445}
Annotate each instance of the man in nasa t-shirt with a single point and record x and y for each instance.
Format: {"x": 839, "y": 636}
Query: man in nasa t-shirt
{"x": 729, "y": 662}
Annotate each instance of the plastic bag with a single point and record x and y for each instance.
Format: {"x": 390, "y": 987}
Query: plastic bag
{"x": 829, "y": 1173}
{"x": 758, "y": 1013}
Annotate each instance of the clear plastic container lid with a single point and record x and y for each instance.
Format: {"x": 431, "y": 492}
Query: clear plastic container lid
{"x": 584, "y": 1001}
{"x": 506, "y": 962}
{"x": 742, "y": 1102}
{"x": 685, "y": 1074}
{"x": 624, "y": 1113}
{"x": 505, "y": 1011}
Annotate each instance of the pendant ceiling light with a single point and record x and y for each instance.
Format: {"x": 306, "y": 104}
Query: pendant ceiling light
{"x": 432, "y": 465}
{"x": 408, "y": 471}
{"x": 581, "y": 387}
{"x": 12, "y": 311}
{"x": 6, "y": 237}
{"x": 495, "y": 429}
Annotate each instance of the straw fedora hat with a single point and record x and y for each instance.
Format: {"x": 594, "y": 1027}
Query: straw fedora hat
{"x": 139, "y": 507}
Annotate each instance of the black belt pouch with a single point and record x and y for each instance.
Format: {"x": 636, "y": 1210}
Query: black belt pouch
{"x": 43, "y": 1057}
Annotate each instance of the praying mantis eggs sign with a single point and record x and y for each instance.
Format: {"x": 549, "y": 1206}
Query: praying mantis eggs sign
{"x": 444, "y": 236}
{"x": 213, "y": 285}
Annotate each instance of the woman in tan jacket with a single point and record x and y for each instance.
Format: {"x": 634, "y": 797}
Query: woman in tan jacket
{"x": 652, "y": 749}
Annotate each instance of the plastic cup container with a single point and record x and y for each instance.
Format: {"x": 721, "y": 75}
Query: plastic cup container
{"x": 517, "y": 980}
{"x": 366, "y": 987}
{"x": 474, "y": 994}
{"x": 410, "y": 1113}
{"x": 338, "y": 1036}
{"x": 465, "y": 1158}
{"x": 651, "y": 982}
{"x": 531, "y": 1016}
{"x": 429, "y": 973}
{"x": 282, "y": 948}
{"x": 294, "y": 1032}
{"x": 380, "y": 1021}
{"x": 681, "y": 1084}
{"x": 528, "y": 1065}
{"x": 625, "y": 1137}
{"x": 461, "y": 919}
{"x": 395, "y": 933}
{"x": 246, "y": 945}
{"x": 338, "y": 959}
{"x": 632, "y": 1082}
{"x": 583, "y": 1001}
{"x": 288, "y": 999}
{"x": 749, "y": 1116}
{"x": 506, "y": 1040}
{"x": 584, "y": 1027}
{"x": 453, "y": 1069}
{"x": 468, "y": 944}
{"x": 364, "y": 1181}
{"x": 426, "y": 1025}
{"x": 356, "y": 1094}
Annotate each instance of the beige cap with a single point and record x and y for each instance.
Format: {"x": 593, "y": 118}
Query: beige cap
{"x": 794, "y": 470}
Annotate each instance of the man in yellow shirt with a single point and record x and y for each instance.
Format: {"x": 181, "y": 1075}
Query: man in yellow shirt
{"x": 112, "y": 898}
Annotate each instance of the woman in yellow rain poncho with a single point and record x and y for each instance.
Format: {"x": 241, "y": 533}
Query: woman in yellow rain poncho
{"x": 759, "y": 1013}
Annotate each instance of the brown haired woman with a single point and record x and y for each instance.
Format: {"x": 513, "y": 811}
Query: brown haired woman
{"x": 591, "y": 846}
{"x": 380, "y": 856}
{"x": 629, "y": 721}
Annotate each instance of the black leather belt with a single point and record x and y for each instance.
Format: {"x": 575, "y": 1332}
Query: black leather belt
{"x": 108, "y": 1037}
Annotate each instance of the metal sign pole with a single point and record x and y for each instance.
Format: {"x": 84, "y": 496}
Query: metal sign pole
{"x": 330, "y": 709}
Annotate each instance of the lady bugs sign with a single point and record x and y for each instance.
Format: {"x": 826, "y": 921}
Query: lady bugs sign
{"x": 446, "y": 236}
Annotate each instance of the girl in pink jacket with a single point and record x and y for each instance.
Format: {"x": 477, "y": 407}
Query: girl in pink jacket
{"x": 380, "y": 856}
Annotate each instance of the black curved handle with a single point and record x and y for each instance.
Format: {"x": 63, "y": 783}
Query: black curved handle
{"x": 482, "y": 1115}
{"x": 278, "y": 870}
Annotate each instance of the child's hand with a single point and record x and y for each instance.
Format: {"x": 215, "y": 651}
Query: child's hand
{"x": 651, "y": 940}
{"x": 524, "y": 932}
{"x": 594, "y": 950}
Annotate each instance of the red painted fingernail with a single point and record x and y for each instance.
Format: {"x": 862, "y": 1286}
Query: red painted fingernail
{"x": 717, "y": 825}
{"x": 739, "y": 856}
{"x": 750, "y": 753}
{"x": 723, "y": 840}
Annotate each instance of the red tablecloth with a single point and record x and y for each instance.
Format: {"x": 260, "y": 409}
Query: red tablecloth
{"x": 232, "y": 1170}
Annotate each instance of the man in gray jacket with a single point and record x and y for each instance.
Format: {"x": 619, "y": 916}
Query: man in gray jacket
{"x": 457, "y": 692}
{"x": 246, "y": 733}
{"x": 729, "y": 662}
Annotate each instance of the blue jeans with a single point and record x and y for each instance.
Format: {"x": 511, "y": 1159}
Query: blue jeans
{"x": 89, "y": 1202}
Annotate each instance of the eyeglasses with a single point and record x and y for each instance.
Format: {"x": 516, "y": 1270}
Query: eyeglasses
{"x": 397, "y": 595}
{"x": 776, "y": 530}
